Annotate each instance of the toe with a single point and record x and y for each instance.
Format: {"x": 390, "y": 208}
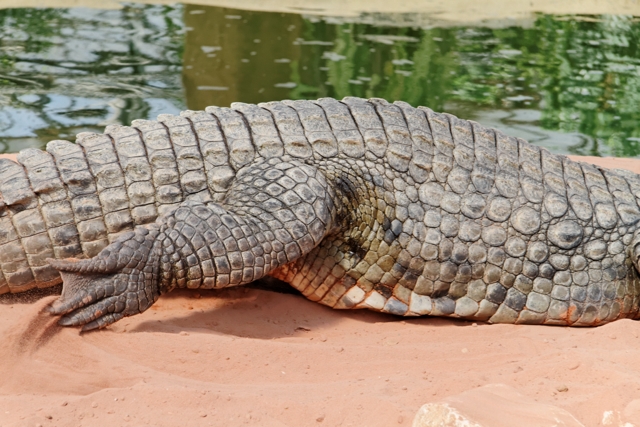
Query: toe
{"x": 65, "y": 305}
{"x": 103, "y": 321}
{"x": 92, "y": 312}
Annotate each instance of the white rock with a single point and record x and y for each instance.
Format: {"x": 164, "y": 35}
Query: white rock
{"x": 441, "y": 415}
{"x": 493, "y": 405}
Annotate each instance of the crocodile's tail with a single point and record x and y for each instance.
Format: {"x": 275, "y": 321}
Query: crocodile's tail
{"x": 72, "y": 200}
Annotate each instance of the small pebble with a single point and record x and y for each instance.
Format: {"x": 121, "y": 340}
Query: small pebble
{"x": 562, "y": 388}
{"x": 320, "y": 418}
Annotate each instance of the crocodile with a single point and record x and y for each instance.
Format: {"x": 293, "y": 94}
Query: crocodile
{"x": 355, "y": 203}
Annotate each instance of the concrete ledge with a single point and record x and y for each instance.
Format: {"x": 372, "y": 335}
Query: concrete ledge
{"x": 454, "y": 11}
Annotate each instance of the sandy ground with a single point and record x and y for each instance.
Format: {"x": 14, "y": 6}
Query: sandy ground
{"x": 260, "y": 358}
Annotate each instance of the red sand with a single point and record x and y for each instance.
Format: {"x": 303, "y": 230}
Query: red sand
{"x": 252, "y": 357}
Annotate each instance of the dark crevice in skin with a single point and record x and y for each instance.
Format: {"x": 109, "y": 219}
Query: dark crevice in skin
{"x": 314, "y": 155}
{"x": 95, "y": 183}
{"x": 426, "y": 119}
{"x": 384, "y": 128}
{"x": 563, "y": 176}
{"x": 436, "y": 150}
{"x": 345, "y": 187}
{"x": 275, "y": 125}
{"x": 146, "y": 153}
{"x": 358, "y": 251}
{"x": 272, "y": 284}
{"x": 124, "y": 175}
{"x": 246, "y": 124}
{"x": 364, "y": 141}
{"x": 517, "y": 144}
{"x": 475, "y": 157}
{"x": 455, "y": 143}
{"x": 591, "y": 198}
{"x": 406, "y": 122}
{"x": 197, "y": 138}
{"x": 144, "y": 145}
{"x": 175, "y": 157}
{"x": 224, "y": 138}
{"x": 326, "y": 118}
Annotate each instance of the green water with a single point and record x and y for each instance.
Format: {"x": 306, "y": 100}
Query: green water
{"x": 571, "y": 84}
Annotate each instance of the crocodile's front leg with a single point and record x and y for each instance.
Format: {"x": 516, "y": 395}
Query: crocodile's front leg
{"x": 275, "y": 212}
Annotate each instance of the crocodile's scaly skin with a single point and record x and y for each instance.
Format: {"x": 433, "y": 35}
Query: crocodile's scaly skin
{"x": 356, "y": 203}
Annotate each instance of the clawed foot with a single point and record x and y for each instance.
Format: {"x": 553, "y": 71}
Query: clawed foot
{"x": 120, "y": 281}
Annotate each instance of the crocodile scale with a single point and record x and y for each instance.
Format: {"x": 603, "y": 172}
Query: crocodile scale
{"x": 355, "y": 203}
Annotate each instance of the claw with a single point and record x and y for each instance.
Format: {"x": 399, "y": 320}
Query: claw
{"x": 74, "y": 293}
{"x": 91, "y": 312}
{"x": 54, "y": 308}
{"x": 66, "y": 321}
{"x": 103, "y": 321}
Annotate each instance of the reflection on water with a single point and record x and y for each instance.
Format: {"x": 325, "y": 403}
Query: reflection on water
{"x": 64, "y": 71}
{"x": 571, "y": 84}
